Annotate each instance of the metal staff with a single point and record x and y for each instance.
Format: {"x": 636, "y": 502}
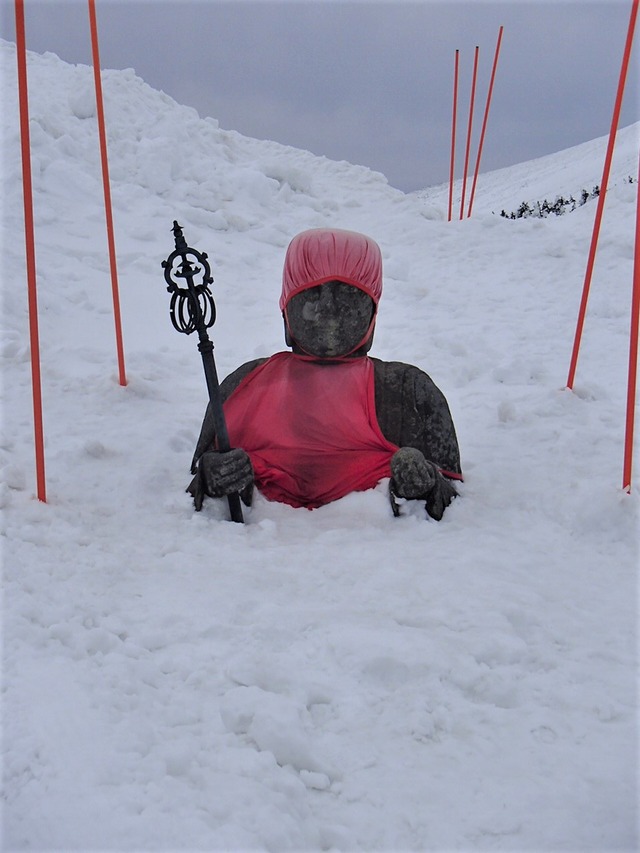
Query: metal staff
{"x": 192, "y": 309}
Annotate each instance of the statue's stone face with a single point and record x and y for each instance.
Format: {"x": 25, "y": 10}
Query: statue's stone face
{"x": 329, "y": 320}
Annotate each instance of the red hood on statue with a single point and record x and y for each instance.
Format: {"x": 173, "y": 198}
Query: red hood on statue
{"x": 326, "y": 254}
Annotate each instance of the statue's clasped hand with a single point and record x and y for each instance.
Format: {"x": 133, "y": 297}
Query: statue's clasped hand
{"x": 221, "y": 474}
{"x": 415, "y": 478}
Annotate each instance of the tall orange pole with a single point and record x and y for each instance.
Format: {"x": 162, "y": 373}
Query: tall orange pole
{"x": 484, "y": 121}
{"x": 453, "y": 133}
{"x": 107, "y": 191}
{"x": 603, "y": 191}
{"x": 633, "y": 356}
{"x": 29, "y": 230}
{"x": 466, "y": 156}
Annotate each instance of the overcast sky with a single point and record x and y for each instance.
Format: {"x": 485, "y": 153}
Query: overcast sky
{"x": 368, "y": 82}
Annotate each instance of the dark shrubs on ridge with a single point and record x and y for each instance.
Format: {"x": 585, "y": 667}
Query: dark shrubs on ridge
{"x": 558, "y": 207}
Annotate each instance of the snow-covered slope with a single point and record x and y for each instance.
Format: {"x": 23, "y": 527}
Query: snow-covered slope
{"x": 565, "y": 174}
{"x": 336, "y": 679}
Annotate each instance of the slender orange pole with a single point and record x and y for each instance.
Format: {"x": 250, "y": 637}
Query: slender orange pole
{"x": 484, "y": 121}
{"x": 603, "y": 191}
{"x": 107, "y": 191}
{"x": 466, "y": 156}
{"x": 633, "y": 355}
{"x": 29, "y": 231}
{"x": 453, "y": 132}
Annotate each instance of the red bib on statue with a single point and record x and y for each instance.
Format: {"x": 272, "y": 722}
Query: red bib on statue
{"x": 310, "y": 428}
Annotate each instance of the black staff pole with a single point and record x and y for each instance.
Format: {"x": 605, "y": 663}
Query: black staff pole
{"x": 192, "y": 309}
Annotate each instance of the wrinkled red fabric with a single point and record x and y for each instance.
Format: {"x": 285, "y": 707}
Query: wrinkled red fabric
{"x": 310, "y": 428}
{"x": 324, "y": 254}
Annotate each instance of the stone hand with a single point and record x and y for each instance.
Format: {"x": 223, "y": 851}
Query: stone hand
{"x": 221, "y": 474}
{"x": 413, "y": 475}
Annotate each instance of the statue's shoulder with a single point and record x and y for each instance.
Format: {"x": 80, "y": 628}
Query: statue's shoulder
{"x": 413, "y": 412}
{"x": 399, "y": 375}
{"x": 231, "y": 382}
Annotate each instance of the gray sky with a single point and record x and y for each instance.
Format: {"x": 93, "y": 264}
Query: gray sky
{"x": 368, "y": 82}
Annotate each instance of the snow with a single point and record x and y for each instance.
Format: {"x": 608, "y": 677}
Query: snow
{"x": 327, "y": 680}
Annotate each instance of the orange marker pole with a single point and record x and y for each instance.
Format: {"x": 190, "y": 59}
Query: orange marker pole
{"x": 601, "y": 198}
{"x": 27, "y": 190}
{"x": 633, "y": 356}
{"x": 107, "y": 191}
{"x": 453, "y": 132}
{"x": 485, "y": 119}
{"x": 466, "y": 156}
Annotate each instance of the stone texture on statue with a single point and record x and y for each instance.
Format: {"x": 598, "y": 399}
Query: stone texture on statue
{"x": 330, "y": 320}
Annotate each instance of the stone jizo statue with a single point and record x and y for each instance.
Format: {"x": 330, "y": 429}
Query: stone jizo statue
{"x": 324, "y": 419}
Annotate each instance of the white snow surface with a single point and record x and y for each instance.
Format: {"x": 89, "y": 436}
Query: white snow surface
{"x": 328, "y": 680}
